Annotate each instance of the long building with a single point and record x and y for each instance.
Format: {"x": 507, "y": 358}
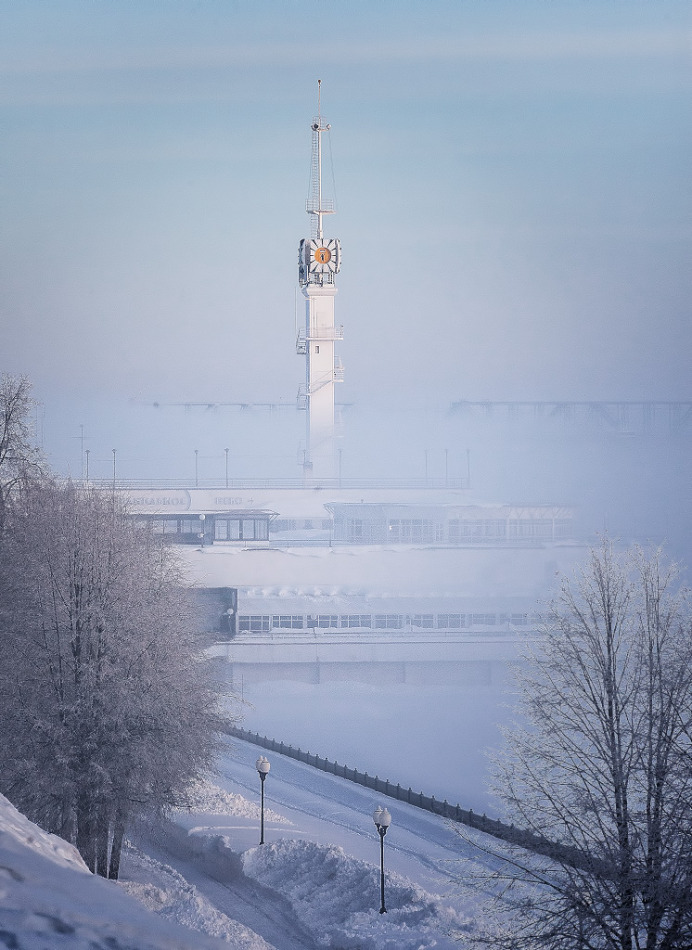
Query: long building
{"x": 390, "y": 560}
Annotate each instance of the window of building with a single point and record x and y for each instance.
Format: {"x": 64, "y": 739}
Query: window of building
{"x": 451, "y": 621}
{"x": 422, "y": 620}
{"x": 241, "y": 529}
{"x": 254, "y": 623}
{"x": 327, "y": 620}
{"x": 483, "y": 620}
{"x": 354, "y": 529}
{"x": 190, "y": 526}
{"x": 477, "y": 529}
{"x": 388, "y": 621}
{"x": 356, "y": 620}
{"x": 531, "y": 529}
{"x": 562, "y": 527}
{"x": 227, "y": 529}
{"x": 411, "y": 530}
{"x": 164, "y": 525}
{"x": 288, "y": 622}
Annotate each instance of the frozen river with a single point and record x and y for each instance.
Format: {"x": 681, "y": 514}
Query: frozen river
{"x": 423, "y": 714}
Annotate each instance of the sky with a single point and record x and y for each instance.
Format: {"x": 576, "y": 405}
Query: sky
{"x": 512, "y": 186}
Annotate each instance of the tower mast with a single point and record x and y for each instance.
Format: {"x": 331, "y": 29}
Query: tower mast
{"x": 319, "y": 131}
{"x": 319, "y": 262}
{"x": 316, "y": 204}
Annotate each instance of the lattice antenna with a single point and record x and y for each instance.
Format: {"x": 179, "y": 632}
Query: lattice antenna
{"x": 316, "y": 204}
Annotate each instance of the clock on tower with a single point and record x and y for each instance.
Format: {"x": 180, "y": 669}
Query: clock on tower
{"x": 318, "y": 260}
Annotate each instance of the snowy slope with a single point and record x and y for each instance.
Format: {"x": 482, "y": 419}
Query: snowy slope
{"x": 314, "y": 883}
{"x": 48, "y": 899}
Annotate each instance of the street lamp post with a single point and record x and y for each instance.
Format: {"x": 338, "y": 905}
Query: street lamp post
{"x": 382, "y": 820}
{"x": 262, "y": 765}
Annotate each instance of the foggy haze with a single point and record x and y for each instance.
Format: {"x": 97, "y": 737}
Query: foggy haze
{"x": 513, "y": 206}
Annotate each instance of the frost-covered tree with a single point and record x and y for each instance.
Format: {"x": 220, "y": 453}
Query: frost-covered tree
{"x": 108, "y": 706}
{"x": 604, "y": 767}
{"x": 19, "y": 458}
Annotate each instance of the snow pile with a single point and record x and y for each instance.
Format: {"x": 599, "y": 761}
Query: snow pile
{"x": 49, "y": 899}
{"x": 298, "y": 891}
{"x": 165, "y": 892}
{"x": 205, "y": 798}
{"x": 336, "y": 897}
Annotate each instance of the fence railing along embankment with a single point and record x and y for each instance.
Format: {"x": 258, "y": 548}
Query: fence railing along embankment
{"x": 491, "y": 826}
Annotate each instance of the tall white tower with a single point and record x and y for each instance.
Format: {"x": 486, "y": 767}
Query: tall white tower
{"x": 318, "y": 262}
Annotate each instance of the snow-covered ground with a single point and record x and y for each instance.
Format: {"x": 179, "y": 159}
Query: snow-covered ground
{"x": 48, "y": 899}
{"x": 314, "y": 883}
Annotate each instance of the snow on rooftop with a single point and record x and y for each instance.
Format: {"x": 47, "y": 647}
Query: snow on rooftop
{"x": 375, "y": 571}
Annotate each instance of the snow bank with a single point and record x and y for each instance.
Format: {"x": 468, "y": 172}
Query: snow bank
{"x": 49, "y": 899}
{"x": 165, "y": 892}
{"x": 17, "y": 832}
{"x": 206, "y": 798}
{"x": 333, "y": 896}
{"x": 337, "y": 898}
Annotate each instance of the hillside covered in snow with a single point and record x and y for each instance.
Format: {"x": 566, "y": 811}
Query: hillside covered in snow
{"x": 48, "y": 898}
{"x": 201, "y": 880}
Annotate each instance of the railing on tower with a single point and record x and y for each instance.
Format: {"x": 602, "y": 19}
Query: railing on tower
{"x": 320, "y": 335}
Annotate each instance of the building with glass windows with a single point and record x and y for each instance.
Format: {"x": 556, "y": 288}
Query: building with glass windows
{"x": 322, "y": 562}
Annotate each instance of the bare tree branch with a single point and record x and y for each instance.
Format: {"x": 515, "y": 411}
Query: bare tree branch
{"x": 604, "y": 765}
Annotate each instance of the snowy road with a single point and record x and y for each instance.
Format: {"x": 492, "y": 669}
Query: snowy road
{"x": 315, "y": 882}
{"x": 419, "y": 845}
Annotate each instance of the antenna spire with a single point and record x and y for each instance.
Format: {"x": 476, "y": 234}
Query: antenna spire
{"x": 316, "y": 205}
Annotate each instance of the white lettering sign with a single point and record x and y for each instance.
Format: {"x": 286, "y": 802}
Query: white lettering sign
{"x": 159, "y": 501}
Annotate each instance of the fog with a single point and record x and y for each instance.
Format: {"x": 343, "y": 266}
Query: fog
{"x": 513, "y": 207}
{"x": 365, "y": 714}
{"x": 627, "y": 480}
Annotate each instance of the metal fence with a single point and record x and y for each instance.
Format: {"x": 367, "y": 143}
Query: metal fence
{"x": 464, "y": 816}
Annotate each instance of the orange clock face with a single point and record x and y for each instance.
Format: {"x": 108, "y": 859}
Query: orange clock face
{"x": 323, "y": 255}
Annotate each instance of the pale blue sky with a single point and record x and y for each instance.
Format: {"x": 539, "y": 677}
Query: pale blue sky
{"x": 512, "y": 183}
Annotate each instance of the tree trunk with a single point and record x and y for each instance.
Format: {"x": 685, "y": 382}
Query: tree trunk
{"x": 86, "y": 838}
{"x": 116, "y": 847}
{"x": 102, "y": 836}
